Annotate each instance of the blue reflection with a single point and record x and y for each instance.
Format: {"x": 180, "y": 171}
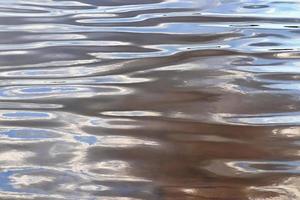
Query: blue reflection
{"x": 29, "y": 177}
{"x": 48, "y": 89}
{"x": 7, "y": 185}
{"x": 90, "y": 140}
{"x": 289, "y": 118}
{"x": 29, "y": 134}
{"x": 5, "y": 181}
{"x": 291, "y": 167}
{"x": 26, "y": 115}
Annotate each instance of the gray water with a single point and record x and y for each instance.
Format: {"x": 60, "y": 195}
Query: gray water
{"x": 150, "y": 99}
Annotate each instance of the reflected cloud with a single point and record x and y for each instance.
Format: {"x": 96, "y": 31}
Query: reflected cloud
{"x": 58, "y": 91}
{"x": 124, "y": 142}
{"x": 266, "y": 166}
{"x": 25, "y": 180}
{"x": 15, "y": 157}
{"x": 64, "y": 43}
{"x": 16, "y": 105}
{"x": 286, "y": 190}
{"x": 291, "y": 118}
{"x": 116, "y": 165}
{"x": 291, "y": 132}
{"x": 156, "y": 51}
{"x": 115, "y": 123}
{"x": 134, "y": 113}
{"x": 29, "y": 181}
{"x": 243, "y": 169}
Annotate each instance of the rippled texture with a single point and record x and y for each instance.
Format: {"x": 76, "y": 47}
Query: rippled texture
{"x": 150, "y": 99}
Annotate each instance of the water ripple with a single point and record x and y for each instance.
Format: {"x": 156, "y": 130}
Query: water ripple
{"x": 151, "y": 99}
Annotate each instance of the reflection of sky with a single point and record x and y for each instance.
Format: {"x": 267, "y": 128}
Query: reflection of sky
{"x": 27, "y": 133}
{"x": 290, "y": 118}
{"x": 20, "y": 180}
{"x": 59, "y": 91}
{"x": 47, "y": 90}
{"x": 260, "y": 166}
{"x": 26, "y": 115}
{"x": 295, "y": 87}
{"x": 133, "y": 113}
{"x": 5, "y": 181}
{"x": 90, "y": 140}
{"x": 259, "y": 8}
{"x": 46, "y": 80}
{"x": 114, "y": 141}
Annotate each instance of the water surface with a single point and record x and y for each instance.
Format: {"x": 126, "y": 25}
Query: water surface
{"x": 150, "y": 99}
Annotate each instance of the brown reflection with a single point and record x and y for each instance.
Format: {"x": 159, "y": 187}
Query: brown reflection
{"x": 149, "y": 99}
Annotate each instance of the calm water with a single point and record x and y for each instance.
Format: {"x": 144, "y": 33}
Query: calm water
{"x": 150, "y": 99}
